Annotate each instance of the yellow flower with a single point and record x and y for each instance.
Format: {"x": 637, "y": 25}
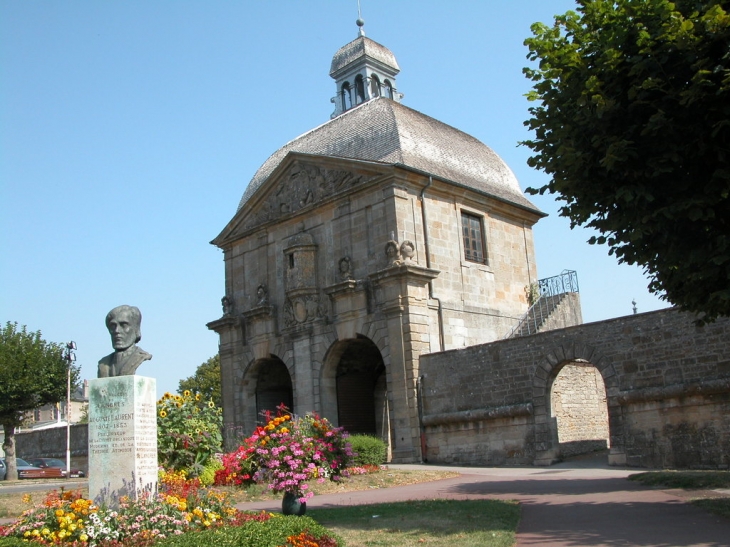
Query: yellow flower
{"x": 197, "y": 396}
{"x": 211, "y": 404}
{"x": 163, "y": 414}
{"x": 187, "y": 393}
{"x": 45, "y": 531}
{"x": 84, "y": 537}
{"x": 178, "y": 404}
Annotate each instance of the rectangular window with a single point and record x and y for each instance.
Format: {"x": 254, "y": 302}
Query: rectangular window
{"x": 473, "y": 232}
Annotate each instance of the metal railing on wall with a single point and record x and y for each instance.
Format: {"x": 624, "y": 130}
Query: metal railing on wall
{"x": 545, "y": 296}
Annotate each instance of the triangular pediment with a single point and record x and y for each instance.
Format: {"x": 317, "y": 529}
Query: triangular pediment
{"x": 300, "y": 182}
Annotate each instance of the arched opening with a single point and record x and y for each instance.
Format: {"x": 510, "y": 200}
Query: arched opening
{"x": 578, "y": 404}
{"x": 346, "y": 96}
{"x": 354, "y": 388}
{"x": 374, "y": 86}
{"x": 388, "y": 89}
{"x": 273, "y": 385}
{"x": 359, "y": 89}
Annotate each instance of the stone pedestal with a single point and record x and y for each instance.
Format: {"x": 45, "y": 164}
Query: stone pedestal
{"x": 122, "y": 438}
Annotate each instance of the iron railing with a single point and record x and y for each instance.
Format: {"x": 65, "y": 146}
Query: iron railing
{"x": 546, "y": 295}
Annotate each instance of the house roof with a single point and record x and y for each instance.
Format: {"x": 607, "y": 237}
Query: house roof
{"x": 385, "y": 131}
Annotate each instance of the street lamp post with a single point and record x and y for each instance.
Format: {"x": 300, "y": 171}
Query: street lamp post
{"x": 69, "y": 356}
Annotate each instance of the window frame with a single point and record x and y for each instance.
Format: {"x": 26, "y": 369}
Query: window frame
{"x": 469, "y": 220}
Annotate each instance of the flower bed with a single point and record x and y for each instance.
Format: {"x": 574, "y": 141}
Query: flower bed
{"x": 180, "y": 509}
{"x": 286, "y": 453}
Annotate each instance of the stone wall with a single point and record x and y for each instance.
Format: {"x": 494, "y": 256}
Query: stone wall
{"x": 51, "y": 443}
{"x": 667, "y": 385}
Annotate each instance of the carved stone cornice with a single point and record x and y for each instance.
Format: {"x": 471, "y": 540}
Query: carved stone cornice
{"x": 408, "y": 271}
{"x": 342, "y": 288}
{"x": 223, "y": 324}
{"x": 259, "y": 313}
{"x": 401, "y": 285}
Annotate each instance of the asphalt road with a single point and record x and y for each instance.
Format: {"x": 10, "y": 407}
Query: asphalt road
{"x": 40, "y": 485}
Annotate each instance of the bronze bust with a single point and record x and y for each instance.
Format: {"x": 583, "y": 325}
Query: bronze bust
{"x": 124, "y": 324}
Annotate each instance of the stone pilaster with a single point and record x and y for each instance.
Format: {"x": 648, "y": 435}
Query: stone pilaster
{"x": 401, "y": 292}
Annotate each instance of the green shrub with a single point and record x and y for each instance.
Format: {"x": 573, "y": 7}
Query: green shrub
{"x": 368, "y": 450}
{"x": 270, "y": 533}
{"x": 207, "y": 475}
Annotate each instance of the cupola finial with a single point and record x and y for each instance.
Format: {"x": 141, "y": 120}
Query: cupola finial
{"x": 360, "y": 21}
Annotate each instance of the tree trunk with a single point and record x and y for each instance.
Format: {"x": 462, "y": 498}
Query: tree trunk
{"x": 9, "y": 448}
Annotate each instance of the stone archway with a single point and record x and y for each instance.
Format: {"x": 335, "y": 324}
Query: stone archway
{"x": 578, "y": 404}
{"x": 266, "y": 385}
{"x": 547, "y": 440}
{"x": 354, "y": 390}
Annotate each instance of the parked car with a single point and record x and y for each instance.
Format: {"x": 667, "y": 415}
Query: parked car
{"x": 3, "y": 471}
{"x": 55, "y": 463}
{"x": 27, "y": 471}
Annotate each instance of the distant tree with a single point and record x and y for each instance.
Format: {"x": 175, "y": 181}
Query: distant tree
{"x": 32, "y": 374}
{"x": 633, "y": 126}
{"x": 206, "y": 381}
{"x": 84, "y": 418}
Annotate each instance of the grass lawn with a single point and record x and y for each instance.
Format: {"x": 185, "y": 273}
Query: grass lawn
{"x": 436, "y": 523}
{"x": 386, "y": 478}
{"x": 699, "y": 486}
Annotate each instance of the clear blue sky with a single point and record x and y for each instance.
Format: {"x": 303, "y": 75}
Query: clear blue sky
{"x": 129, "y": 131}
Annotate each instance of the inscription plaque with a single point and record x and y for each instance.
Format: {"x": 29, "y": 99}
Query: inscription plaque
{"x": 122, "y": 438}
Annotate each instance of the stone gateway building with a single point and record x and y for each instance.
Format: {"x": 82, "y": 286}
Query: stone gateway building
{"x": 380, "y": 271}
{"x": 377, "y": 237}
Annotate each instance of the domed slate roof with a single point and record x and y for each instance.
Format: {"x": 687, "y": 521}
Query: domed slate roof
{"x": 386, "y": 131}
{"x": 360, "y": 47}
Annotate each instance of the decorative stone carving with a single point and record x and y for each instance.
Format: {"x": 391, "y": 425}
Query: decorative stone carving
{"x": 392, "y": 252}
{"x": 303, "y": 309}
{"x": 407, "y": 251}
{"x": 305, "y": 185}
{"x": 228, "y": 305}
{"x": 262, "y": 296}
{"x": 396, "y": 255}
{"x": 345, "y": 268}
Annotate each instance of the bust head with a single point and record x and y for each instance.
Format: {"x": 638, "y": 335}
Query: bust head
{"x": 124, "y": 324}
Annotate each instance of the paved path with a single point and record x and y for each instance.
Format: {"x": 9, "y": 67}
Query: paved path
{"x": 576, "y": 504}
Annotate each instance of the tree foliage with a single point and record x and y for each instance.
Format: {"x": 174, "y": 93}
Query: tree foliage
{"x": 32, "y": 374}
{"x": 632, "y": 123}
{"x": 206, "y": 381}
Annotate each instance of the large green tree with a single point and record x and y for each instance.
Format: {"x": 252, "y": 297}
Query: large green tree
{"x": 632, "y": 123}
{"x": 206, "y": 381}
{"x": 33, "y": 373}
